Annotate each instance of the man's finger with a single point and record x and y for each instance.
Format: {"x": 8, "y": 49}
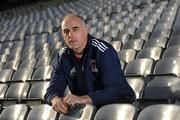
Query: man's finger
{"x": 59, "y": 107}
{"x": 63, "y": 107}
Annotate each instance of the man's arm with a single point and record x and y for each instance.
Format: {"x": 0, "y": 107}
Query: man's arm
{"x": 57, "y": 84}
{"x": 114, "y": 82}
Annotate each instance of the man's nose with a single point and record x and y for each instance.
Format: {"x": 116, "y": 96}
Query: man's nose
{"x": 70, "y": 35}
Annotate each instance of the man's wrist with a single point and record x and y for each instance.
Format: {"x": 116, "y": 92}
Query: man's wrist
{"x": 88, "y": 100}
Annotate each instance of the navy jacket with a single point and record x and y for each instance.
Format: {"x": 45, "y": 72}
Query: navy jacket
{"x": 97, "y": 74}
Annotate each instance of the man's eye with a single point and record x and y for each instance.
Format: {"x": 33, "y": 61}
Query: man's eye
{"x": 66, "y": 32}
{"x": 75, "y": 29}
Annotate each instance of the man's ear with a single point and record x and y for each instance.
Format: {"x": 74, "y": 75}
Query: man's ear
{"x": 87, "y": 28}
{"x": 61, "y": 32}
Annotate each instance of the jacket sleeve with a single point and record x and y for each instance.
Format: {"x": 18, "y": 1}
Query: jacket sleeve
{"x": 58, "y": 82}
{"x": 115, "y": 84}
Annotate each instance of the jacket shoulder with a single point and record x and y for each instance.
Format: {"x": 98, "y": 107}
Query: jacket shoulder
{"x": 101, "y": 45}
{"x": 63, "y": 51}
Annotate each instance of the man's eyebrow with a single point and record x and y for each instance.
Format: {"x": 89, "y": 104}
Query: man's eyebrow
{"x": 65, "y": 29}
{"x": 75, "y": 27}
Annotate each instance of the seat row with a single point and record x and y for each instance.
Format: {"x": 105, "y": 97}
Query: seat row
{"x": 89, "y": 112}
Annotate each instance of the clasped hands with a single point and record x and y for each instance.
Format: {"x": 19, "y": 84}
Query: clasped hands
{"x": 61, "y": 105}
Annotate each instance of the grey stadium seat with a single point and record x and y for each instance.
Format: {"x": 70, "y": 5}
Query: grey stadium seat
{"x": 156, "y": 42}
{"x": 127, "y": 55}
{"x": 42, "y": 73}
{"x": 136, "y": 44}
{"x": 14, "y": 64}
{"x": 15, "y": 93}
{"x": 42, "y": 112}
{"x": 161, "y": 33}
{"x": 162, "y": 88}
{"x": 28, "y": 63}
{"x": 36, "y": 93}
{"x": 43, "y": 61}
{"x": 139, "y": 67}
{"x": 22, "y": 74}
{"x": 168, "y": 66}
{"x": 173, "y": 51}
{"x": 116, "y": 112}
{"x": 14, "y": 112}
{"x": 150, "y": 52}
{"x": 160, "y": 112}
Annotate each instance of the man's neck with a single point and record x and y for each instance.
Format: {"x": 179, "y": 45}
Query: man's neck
{"x": 79, "y": 54}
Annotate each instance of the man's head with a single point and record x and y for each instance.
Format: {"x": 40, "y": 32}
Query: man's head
{"x": 75, "y": 32}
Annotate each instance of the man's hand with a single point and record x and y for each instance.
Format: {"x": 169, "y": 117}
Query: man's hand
{"x": 73, "y": 100}
{"x": 58, "y": 105}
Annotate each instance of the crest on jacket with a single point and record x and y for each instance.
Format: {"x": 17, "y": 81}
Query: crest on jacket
{"x": 93, "y": 65}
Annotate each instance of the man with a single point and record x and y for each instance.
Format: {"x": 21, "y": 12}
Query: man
{"x": 89, "y": 66}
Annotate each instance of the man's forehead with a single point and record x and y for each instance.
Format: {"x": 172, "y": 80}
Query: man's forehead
{"x": 71, "y": 22}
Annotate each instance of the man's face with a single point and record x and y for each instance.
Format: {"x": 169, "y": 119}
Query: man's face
{"x": 74, "y": 33}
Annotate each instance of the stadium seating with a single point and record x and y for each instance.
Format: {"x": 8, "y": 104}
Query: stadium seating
{"x": 145, "y": 34}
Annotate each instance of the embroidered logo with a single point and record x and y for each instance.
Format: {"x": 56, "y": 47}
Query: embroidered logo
{"x": 93, "y": 65}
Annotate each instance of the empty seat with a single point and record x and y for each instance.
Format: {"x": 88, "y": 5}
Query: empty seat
{"x": 5, "y": 75}
{"x": 81, "y": 112}
{"x": 36, "y": 93}
{"x": 14, "y": 64}
{"x": 28, "y": 63}
{"x": 15, "y": 56}
{"x": 42, "y": 54}
{"x": 160, "y": 112}
{"x": 15, "y": 93}
{"x": 139, "y": 67}
{"x": 150, "y": 52}
{"x": 164, "y": 25}
{"x": 173, "y": 51}
{"x": 168, "y": 66}
{"x": 129, "y": 30}
{"x": 42, "y": 112}
{"x": 14, "y": 112}
{"x": 116, "y": 112}
{"x": 141, "y": 35}
{"x": 162, "y": 88}
{"x": 136, "y": 44}
{"x": 42, "y": 73}
{"x": 22, "y": 74}
{"x": 127, "y": 55}
{"x": 28, "y": 55}
{"x": 145, "y": 28}
{"x": 43, "y": 62}
{"x": 123, "y": 37}
{"x": 161, "y": 33}
{"x": 156, "y": 42}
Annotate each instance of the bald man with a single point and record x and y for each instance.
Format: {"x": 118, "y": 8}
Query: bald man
{"x": 89, "y": 67}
